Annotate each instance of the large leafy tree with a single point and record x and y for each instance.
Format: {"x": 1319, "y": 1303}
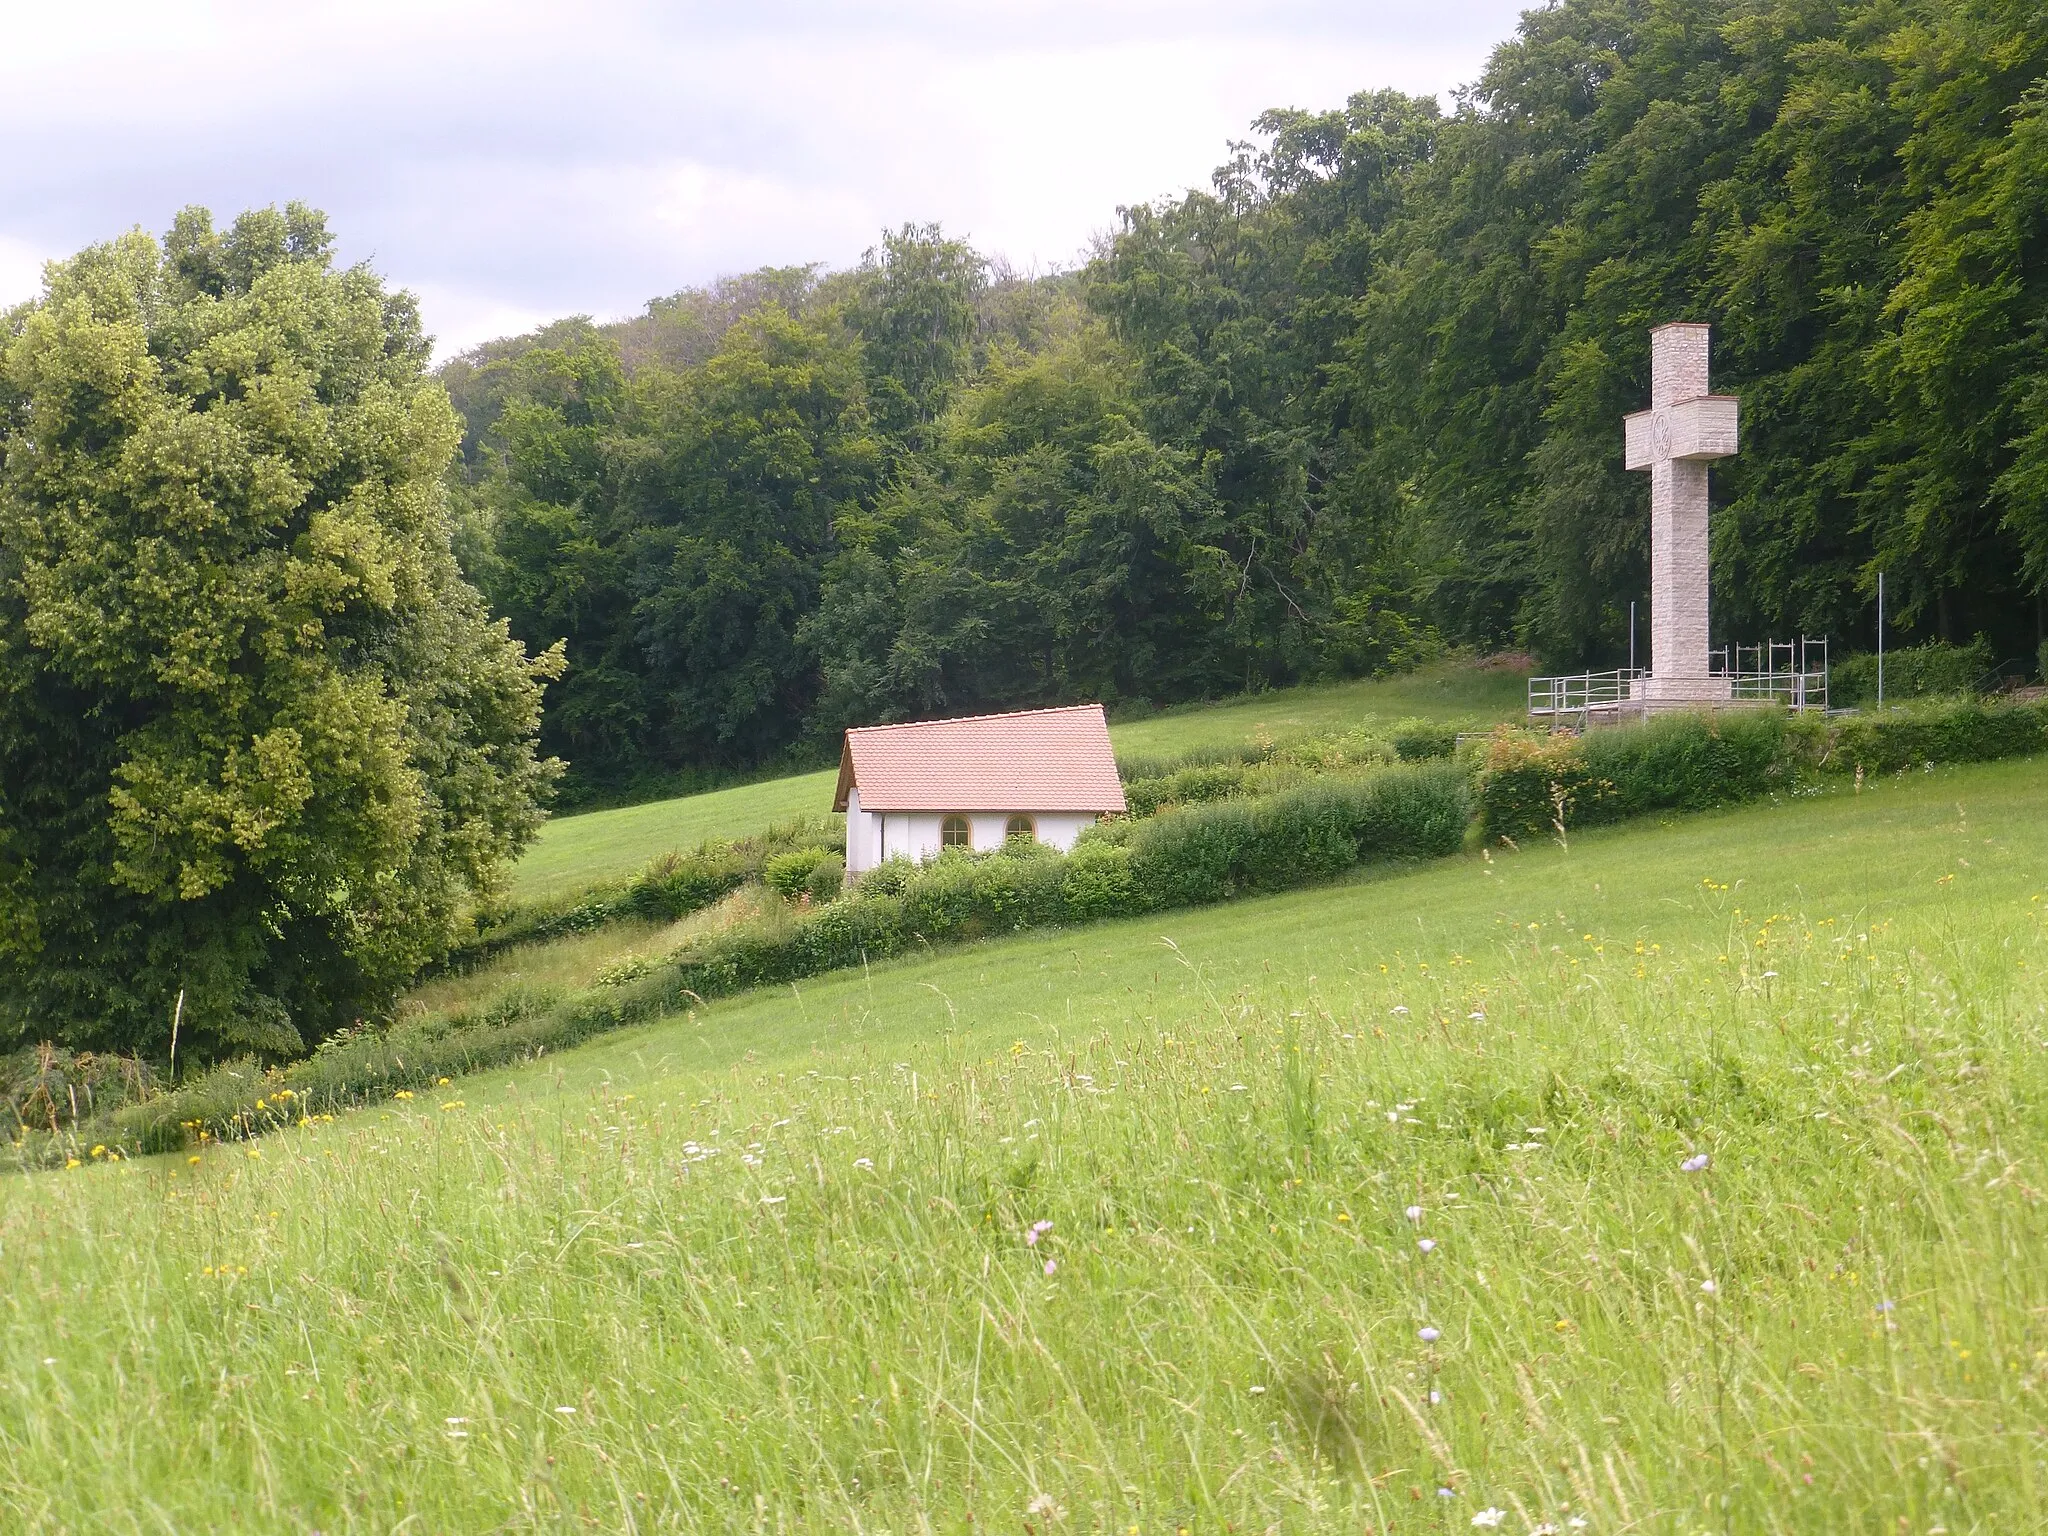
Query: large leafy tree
{"x": 260, "y": 744}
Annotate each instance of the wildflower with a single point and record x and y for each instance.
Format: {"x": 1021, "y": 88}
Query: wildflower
{"x": 1400, "y": 1010}
{"x": 1258, "y": 1391}
{"x": 1051, "y": 1265}
{"x": 1042, "y": 1505}
{"x": 1428, "y": 1335}
{"x": 1427, "y": 1245}
{"x": 1435, "y": 1396}
{"x": 565, "y": 1409}
{"x": 1414, "y": 1213}
{"x": 403, "y": 1093}
{"x": 1577, "y": 1522}
{"x": 453, "y": 1104}
{"x": 1707, "y": 1286}
{"x": 194, "y": 1161}
{"x": 1489, "y": 1516}
{"x": 440, "y": 1082}
{"x": 1037, "y": 1230}
{"x": 1445, "y": 1493}
{"x": 1545, "y": 1529}
{"x": 1694, "y": 1164}
{"x": 864, "y": 1162}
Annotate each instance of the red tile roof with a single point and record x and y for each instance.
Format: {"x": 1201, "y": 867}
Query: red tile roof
{"x": 1034, "y": 760}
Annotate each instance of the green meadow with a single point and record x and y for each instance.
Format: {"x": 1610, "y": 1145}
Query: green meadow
{"x": 576, "y": 851}
{"x": 1359, "y": 1208}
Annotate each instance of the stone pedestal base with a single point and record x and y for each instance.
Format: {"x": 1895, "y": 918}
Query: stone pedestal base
{"x": 1654, "y": 690}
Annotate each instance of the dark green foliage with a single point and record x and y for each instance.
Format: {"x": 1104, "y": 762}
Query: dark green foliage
{"x": 1965, "y": 732}
{"x": 260, "y": 744}
{"x": 790, "y": 873}
{"x": 827, "y": 879}
{"x": 1686, "y": 763}
{"x": 1693, "y": 761}
{"x": 1415, "y": 742}
{"x": 1909, "y": 673}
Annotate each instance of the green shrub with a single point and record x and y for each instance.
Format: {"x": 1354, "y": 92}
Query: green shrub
{"x": 1696, "y": 760}
{"x": 1207, "y": 853}
{"x": 790, "y": 873}
{"x": 887, "y": 878}
{"x": 1415, "y": 741}
{"x": 1098, "y": 882}
{"x": 1915, "y": 671}
{"x": 827, "y": 879}
{"x": 1529, "y": 783}
{"x": 1958, "y": 732}
{"x": 677, "y": 884}
{"x": 1685, "y": 762}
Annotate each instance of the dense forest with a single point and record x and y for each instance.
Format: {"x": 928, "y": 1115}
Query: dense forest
{"x": 1358, "y": 401}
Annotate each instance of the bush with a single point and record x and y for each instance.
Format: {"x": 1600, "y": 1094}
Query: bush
{"x": 1693, "y": 761}
{"x": 1961, "y": 732}
{"x": 827, "y": 879}
{"x": 789, "y": 874}
{"x": 1424, "y": 739}
{"x": 1915, "y": 671}
{"x": 1208, "y": 853}
{"x": 1098, "y": 882}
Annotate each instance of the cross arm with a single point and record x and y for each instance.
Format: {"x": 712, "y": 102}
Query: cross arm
{"x": 1704, "y": 427}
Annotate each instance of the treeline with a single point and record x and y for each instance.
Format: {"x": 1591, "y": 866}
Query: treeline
{"x": 1359, "y": 400}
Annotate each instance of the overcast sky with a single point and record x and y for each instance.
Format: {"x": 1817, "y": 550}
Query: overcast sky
{"x": 511, "y": 161}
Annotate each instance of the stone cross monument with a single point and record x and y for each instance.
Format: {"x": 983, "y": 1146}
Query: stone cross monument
{"x": 1684, "y": 429}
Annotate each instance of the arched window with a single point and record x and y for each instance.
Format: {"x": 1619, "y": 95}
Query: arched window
{"x": 1020, "y": 826}
{"x": 956, "y": 832}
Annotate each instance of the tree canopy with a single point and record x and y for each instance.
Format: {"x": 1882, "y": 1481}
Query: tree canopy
{"x": 260, "y": 743}
{"x": 1360, "y": 397}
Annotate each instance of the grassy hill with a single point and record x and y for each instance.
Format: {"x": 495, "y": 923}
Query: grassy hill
{"x": 771, "y": 1266}
{"x": 576, "y": 851}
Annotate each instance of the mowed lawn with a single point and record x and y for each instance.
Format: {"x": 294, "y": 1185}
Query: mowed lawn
{"x": 577, "y": 851}
{"x": 573, "y": 852}
{"x": 1362, "y": 1208}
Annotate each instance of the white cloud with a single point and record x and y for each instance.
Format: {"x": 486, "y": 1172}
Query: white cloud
{"x": 21, "y": 271}
{"x": 514, "y": 158}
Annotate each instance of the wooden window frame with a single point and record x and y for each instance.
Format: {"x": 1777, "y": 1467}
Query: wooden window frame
{"x": 956, "y": 832}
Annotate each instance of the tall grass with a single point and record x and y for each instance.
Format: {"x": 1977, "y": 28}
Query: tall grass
{"x": 761, "y": 1281}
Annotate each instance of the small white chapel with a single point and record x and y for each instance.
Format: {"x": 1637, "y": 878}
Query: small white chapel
{"x": 910, "y": 791}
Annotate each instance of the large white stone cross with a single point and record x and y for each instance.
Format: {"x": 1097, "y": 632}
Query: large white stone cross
{"x": 1684, "y": 429}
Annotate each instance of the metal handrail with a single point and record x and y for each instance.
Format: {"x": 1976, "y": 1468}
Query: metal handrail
{"x": 1777, "y": 671}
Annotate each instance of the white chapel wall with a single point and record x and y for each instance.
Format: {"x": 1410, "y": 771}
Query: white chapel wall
{"x": 872, "y": 837}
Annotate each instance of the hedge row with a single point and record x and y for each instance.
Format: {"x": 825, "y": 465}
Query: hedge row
{"x": 1689, "y": 762}
{"x": 243, "y": 1098}
{"x": 1184, "y": 858}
